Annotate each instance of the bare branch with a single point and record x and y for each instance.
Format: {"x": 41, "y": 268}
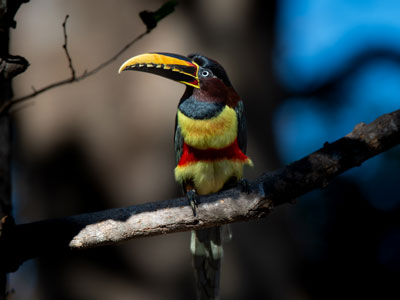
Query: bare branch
{"x": 314, "y": 171}
{"x": 113, "y": 58}
{"x": 65, "y": 46}
{"x": 150, "y": 19}
{"x": 5, "y": 107}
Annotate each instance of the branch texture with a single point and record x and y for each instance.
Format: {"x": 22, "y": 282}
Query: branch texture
{"x": 168, "y": 216}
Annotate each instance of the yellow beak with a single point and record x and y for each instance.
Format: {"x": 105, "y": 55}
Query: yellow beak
{"x": 168, "y": 65}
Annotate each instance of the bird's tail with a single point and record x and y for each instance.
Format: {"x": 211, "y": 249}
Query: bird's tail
{"x": 206, "y": 248}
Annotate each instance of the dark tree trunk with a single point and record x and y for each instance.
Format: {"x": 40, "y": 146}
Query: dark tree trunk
{"x": 10, "y": 66}
{"x": 5, "y": 153}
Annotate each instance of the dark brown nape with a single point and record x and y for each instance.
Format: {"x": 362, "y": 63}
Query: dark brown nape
{"x": 214, "y": 90}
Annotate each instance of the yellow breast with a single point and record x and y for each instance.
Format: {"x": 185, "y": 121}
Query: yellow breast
{"x": 210, "y": 176}
{"x": 217, "y": 132}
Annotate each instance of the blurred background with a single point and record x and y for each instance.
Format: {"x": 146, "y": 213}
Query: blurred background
{"x": 308, "y": 72}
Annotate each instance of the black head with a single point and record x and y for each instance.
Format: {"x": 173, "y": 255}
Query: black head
{"x": 210, "y": 65}
{"x": 205, "y": 79}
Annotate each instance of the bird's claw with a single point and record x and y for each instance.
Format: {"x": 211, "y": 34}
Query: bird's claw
{"x": 193, "y": 199}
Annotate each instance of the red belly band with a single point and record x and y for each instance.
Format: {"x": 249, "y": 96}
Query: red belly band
{"x": 191, "y": 154}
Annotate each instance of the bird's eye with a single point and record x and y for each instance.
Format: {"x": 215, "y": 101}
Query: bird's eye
{"x": 205, "y": 73}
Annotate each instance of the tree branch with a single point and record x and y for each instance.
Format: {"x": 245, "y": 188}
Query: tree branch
{"x": 65, "y": 46}
{"x": 150, "y": 19}
{"x": 5, "y": 107}
{"x": 271, "y": 189}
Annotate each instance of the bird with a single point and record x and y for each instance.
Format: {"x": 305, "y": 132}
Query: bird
{"x": 210, "y": 145}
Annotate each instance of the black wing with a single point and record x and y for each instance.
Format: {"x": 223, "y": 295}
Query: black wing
{"x": 178, "y": 141}
{"x": 242, "y": 127}
{"x": 178, "y": 145}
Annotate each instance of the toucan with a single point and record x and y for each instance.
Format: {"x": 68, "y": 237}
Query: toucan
{"x": 210, "y": 144}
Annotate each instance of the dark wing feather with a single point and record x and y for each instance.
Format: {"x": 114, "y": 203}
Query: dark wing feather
{"x": 178, "y": 142}
{"x": 178, "y": 145}
{"x": 242, "y": 127}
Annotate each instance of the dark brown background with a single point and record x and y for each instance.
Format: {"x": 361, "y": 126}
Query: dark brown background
{"x": 108, "y": 142}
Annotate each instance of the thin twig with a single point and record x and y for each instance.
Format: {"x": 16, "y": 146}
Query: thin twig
{"x": 22, "y": 242}
{"x": 6, "y": 106}
{"x": 107, "y": 62}
{"x": 65, "y": 46}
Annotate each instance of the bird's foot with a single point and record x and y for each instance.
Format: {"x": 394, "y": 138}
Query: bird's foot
{"x": 244, "y": 185}
{"x": 193, "y": 199}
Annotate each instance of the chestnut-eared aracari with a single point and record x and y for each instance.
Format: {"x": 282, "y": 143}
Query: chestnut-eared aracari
{"x": 210, "y": 144}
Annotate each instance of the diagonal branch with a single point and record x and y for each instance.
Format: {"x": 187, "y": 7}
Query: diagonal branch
{"x": 150, "y": 19}
{"x": 271, "y": 189}
{"x": 5, "y": 107}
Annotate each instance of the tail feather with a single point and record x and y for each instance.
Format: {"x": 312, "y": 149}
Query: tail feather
{"x": 206, "y": 247}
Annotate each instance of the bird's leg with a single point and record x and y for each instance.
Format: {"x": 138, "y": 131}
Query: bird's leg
{"x": 192, "y": 196}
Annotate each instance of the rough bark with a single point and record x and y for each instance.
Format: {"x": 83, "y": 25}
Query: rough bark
{"x": 314, "y": 171}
